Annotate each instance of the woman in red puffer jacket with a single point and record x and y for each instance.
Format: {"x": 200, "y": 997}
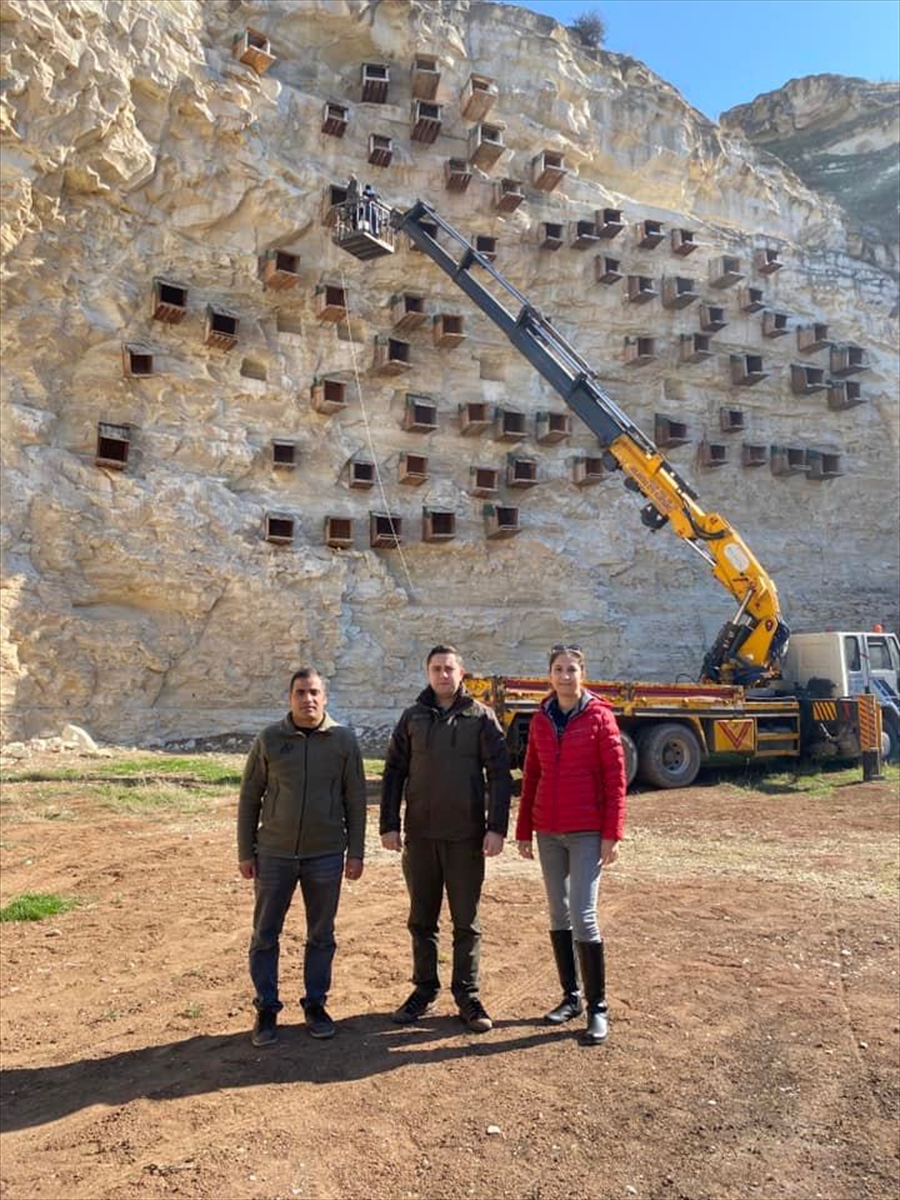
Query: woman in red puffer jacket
{"x": 573, "y": 797}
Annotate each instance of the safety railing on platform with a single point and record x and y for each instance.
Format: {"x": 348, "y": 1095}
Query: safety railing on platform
{"x": 363, "y": 228}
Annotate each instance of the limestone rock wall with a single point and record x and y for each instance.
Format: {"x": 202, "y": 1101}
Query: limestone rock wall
{"x": 145, "y": 603}
{"x": 841, "y": 136}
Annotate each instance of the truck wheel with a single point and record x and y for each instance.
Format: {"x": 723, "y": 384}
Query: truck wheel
{"x": 669, "y": 756}
{"x": 517, "y": 740}
{"x": 890, "y": 736}
{"x": 631, "y": 758}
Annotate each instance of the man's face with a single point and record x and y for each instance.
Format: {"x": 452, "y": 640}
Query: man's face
{"x": 445, "y": 674}
{"x": 308, "y": 702}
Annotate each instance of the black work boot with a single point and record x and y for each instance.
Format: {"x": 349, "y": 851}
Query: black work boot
{"x": 265, "y": 1027}
{"x": 593, "y": 972}
{"x": 564, "y": 952}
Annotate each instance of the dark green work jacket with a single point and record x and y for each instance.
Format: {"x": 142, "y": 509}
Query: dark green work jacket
{"x": 452, "y": 768}
{"x": 303, "y": 793}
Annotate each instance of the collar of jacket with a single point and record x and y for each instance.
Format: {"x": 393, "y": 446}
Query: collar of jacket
{"x": 461, "y": 701}
{"x": 325, "y": 726}
{"x": 588, "y": 700}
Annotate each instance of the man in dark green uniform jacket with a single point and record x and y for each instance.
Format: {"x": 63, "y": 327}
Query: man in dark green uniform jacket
{"x": 302, "y": 805}
{"x": 439, "y": 755}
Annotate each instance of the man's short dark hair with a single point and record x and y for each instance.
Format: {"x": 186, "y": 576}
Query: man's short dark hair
{"x": 443, "y": 650}
{"x": 304, "y": 673}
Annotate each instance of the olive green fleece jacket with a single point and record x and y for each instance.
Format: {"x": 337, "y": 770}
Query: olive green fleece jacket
{"x": 303, "y": 793}
{"x": 452, "y": 768}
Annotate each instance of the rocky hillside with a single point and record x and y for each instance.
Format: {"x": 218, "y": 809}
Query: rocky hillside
{"x": 201, "y": 430}
{"x": 842, "y": 137}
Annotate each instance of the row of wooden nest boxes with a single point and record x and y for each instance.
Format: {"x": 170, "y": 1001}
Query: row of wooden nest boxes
{"x": 408, "y": 310}
{"x": 500, "y": 520}
{"x": 604, "y": 224}
{"x": 476, "y": 99}
{"x": 279, "y": 269}
{"x": 221, "y": 330}
{"x": 477, "y": 96}
{"x": 546, "y": 170}
{"x": 393, "y": 356}
{"x": 522, "y": 470}
{"x": 386, "y": 530}
{"x": 484, "y": 146}
{"x": 746, "y": 370}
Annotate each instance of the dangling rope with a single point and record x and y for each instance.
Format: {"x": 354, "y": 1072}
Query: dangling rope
{"x": 378, "y": 477}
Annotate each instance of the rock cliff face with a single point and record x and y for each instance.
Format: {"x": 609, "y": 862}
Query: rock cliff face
{"x": 144, "y": 467}
{"x": 842, "y": 137}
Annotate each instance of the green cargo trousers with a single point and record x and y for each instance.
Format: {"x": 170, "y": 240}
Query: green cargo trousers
{"x": 431, "y": 866}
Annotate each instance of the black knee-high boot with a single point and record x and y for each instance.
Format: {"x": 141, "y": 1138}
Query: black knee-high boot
{"x": 564, "y": 952}
{"x": 593, "y": 972}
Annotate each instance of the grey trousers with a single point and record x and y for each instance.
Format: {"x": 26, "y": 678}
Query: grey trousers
{"x": 570, "y": 865}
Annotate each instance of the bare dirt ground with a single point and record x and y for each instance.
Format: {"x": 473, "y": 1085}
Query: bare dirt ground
{"x": 753, "y": 982}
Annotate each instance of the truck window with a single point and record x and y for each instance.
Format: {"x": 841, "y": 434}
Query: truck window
{"x": 879, "y": 655}
{"x": 851, "y": 653}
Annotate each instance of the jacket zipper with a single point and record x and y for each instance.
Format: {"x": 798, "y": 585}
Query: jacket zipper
{"x": 305, "y": 786}
{"x": 559, "y": 737}
{"x": 560, "y": 733}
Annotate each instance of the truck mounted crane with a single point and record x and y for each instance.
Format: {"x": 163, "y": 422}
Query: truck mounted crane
{"x": 748, "y": 647}
{"x": 740, "y": 707}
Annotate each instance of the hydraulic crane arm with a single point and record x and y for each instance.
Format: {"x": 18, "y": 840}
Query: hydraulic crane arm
{"x": 748, "y": 647}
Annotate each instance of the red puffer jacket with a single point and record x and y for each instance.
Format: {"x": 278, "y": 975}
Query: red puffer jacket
{"x": 574, "y": 783}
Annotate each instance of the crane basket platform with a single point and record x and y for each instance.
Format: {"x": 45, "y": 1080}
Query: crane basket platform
{"x": 363, "y": 228}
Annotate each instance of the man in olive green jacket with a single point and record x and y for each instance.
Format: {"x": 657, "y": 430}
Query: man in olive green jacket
{"x": 447, "y": 759}
{"x": 302, "y": 805}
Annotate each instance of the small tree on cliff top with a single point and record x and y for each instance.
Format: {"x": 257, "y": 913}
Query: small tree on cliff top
{"x": 590, "y": 28}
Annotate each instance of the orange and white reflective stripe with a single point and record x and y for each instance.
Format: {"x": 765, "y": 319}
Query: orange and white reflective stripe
{"x": 869, "y": 723}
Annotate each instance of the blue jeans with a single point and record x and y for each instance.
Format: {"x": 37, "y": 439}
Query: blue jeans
{"x": 570, "y": 865}
{"x": 274, "y": 886}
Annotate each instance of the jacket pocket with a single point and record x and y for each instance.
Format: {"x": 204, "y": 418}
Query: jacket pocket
{"x": 270, "y": 804}
{"x": 336, "y": 806}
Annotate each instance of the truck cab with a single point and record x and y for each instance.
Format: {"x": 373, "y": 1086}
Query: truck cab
{"x": 850, "y": 660}
{"x": 850, "y": 663}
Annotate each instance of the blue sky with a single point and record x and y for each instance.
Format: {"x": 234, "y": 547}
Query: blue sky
{"x": 719, "y": 53}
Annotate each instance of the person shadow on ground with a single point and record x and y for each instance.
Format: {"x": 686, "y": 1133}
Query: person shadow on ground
{"x": 366, "y": 1045}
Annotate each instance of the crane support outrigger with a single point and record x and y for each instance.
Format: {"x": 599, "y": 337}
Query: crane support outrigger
{"x": 748, "y": 647}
